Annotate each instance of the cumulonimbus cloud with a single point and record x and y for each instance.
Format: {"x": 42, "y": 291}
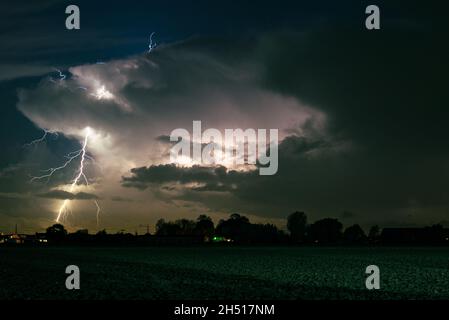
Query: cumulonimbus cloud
{"x": 131, "y": 102}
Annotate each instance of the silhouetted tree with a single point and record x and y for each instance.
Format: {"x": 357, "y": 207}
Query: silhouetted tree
{"x": 186, "y": 227}
{"x": 79, "y": 235}
{"x": 236, "y": 228}
{"x": 325, "y": 231}
{"x": 297, "y": 224}
{"x": 168, "y": 228}
{"x": 56, "y": 232}
{"x": 160, "y": 224}
{"x": 265, "y": 233}
{"x": 354, "y": 235}
{"x": 239, "y": 229}
{"x": 239, "y": 218}
{"x": 102, "y": 233}
{"x": 102, "y": 236}
{"x": 204, "y": 226}
{"x": 374, "y": 234}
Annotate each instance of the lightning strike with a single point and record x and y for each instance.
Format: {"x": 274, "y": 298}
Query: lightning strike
{"x": 102, "y": 93}
{"x": 62, "y": 76}
{"x": 49, "y": 172}
{"x": 64, "y": 209}
{"x": 98, "y": 212}
{"x": 152, "y": 45}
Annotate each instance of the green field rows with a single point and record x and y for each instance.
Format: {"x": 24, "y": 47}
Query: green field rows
{"x": 224, "y": 272}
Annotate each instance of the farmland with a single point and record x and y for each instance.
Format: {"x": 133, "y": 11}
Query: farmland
{"x": 223, "y": 272}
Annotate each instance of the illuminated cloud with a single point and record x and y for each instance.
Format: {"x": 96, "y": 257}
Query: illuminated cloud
{"x": 130, "y": 102}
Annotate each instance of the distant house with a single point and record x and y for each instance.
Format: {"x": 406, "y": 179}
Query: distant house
{"x": 38, "y": 238}
{"x": 15, "y": 239}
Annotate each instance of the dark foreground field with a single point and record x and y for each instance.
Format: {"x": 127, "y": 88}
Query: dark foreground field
{"x": 224, "y": 272}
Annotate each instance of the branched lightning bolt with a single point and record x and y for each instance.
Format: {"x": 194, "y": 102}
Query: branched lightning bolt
{"x": 152, "y": 45}
{"x": 64, "y": 209}
{"x": 81, "y": 153}
{"x": 41, "y": 139}
{"x": 49, "y": 172}
{"x": 63, "y": 77}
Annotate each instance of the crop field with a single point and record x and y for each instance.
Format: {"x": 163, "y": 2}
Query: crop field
{"x": 224, "y": 272}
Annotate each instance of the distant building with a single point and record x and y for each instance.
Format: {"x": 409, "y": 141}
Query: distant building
{"x": 15, "y": 239}
{"x": 38, "y": 238}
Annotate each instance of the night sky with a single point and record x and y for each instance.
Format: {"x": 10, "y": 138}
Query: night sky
{"x": 362, "y": 115}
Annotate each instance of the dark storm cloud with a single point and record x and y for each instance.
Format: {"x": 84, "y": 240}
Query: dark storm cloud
{"x": 35, "y": 40}
{"x": 85, "y": 196}
{"x": 35, "y": 34}
{"x": 385, "y": 90}
{"x": 57, "y": 194}
{"x": 318, "y": 176}
{"x": 212, "y": 177}
{"x": 347, "y": 215}
{"x": 13, "y": 71}
{"x": 22, "y": 8}
{"x": 65, "y": 195}
{"x": 220, "y": 179}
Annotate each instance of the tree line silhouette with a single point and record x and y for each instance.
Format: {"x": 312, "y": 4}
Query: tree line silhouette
{"x": 239, "y": 230}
